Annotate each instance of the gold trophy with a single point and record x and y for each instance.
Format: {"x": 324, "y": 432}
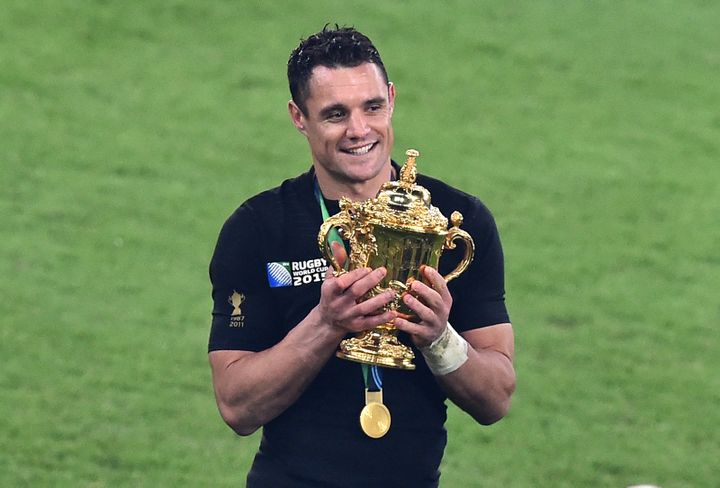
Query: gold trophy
{"x": 400, "y": 230}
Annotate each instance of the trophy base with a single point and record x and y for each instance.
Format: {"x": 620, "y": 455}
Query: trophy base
{"x": 378, "y": 347}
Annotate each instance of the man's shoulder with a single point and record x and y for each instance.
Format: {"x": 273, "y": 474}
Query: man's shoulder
{"x": 449, "y": 198}
{"x": 291, "y": 192}
{"x": 299, "y": 186}
{"x": 440, "y": 186}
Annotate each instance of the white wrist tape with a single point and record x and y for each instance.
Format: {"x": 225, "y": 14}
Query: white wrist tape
{"x": 447, "y": 353}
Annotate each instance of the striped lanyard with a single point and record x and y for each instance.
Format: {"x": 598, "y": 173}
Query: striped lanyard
{"x": 371, "y": 374}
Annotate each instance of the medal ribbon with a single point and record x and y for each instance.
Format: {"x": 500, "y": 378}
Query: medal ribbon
{"x": 373, "y": 377}
{"x": 333, "y": 235}
{"x": 371, "y": 374}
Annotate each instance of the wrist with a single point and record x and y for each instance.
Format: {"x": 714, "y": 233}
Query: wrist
{"x": 446, "y": 353}
{"x": 323, "y": 330}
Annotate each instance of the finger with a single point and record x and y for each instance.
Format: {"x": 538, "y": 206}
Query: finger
{"x": 366, "y": 283}
{"x": 421, "y": 334}
{"x": 339, "y": 252}
{"x": 427, "y": 295}
{"x": 424, "y": 313}
{"x": 338, "y": 284}
{"x": 348, "y": 279}
{"x": 375, "y": 304}
{"x": 437, "y": 281}
{"x": 371, "y": 321}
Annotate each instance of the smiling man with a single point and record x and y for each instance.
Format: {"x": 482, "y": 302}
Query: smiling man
{"x": 279, "y": 314}
{"x": 346, "y": 118}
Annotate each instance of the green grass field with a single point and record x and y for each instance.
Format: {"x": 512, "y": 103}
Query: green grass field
{"x": 130, "y": 130}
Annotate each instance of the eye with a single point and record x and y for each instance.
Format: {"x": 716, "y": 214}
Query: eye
{"x": 335, "y": 115}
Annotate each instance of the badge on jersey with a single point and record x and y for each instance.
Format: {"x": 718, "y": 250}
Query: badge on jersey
{"x": 237, "y": 319}
{"x": 296, "y": 273}
{"x": 279, "y": 274}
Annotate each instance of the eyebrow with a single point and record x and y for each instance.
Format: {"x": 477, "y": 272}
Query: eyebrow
{"x": 376, "y": 100}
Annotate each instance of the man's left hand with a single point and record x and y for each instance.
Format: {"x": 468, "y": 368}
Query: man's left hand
{"x": 431, "y": 304}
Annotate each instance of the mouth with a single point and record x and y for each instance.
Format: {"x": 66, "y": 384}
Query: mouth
{"x": 359, "y": 151}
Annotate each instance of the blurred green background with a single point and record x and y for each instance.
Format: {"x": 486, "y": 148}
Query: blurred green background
{"x": 130, "y": 130}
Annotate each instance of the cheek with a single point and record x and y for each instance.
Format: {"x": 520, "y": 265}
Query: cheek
{"x": 317, "y": 138}
{"x": 329, "y": 136}
{"x": 383, "y": 126}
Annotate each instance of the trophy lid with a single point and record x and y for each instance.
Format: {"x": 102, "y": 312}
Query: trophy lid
{"x": 405, "y": 205}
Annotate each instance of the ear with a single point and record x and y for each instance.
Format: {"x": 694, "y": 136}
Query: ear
{"x": 297, "y": 117}
{"x": 391, "y": 96}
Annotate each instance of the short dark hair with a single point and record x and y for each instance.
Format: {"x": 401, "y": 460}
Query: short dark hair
{"x": 333, "y": 48}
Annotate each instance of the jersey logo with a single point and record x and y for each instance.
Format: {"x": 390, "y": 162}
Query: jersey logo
{"x": 296, "y": 273}
{"x": 279, "y": 274}
{"x": 236, "y": 300}
{"x": 237, "y": 319}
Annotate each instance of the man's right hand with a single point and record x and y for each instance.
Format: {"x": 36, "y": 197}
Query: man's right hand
{"x": 340, "y": 306}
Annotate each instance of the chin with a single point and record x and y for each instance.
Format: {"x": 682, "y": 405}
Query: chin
{"x": 367, "y": 172}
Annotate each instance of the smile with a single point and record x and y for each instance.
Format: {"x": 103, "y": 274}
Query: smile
{"x": 359, "y": 151}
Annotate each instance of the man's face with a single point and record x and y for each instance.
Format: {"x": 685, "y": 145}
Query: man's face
{"x": 348, "y": 122}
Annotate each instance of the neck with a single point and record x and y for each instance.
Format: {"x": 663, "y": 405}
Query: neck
{"x": 333, "y": 188}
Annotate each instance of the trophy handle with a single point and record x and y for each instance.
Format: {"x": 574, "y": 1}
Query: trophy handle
{"x": 342, "y": 222}
{"x": 456, "y": 233}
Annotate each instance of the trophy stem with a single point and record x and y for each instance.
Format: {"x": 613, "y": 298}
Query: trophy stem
{"x": 380, "y": 347}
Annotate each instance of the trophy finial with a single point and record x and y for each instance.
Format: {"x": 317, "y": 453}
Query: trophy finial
{"x": 408, "y": 172}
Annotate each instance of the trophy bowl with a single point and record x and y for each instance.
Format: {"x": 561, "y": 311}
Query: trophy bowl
{"x": 401, "y": 230}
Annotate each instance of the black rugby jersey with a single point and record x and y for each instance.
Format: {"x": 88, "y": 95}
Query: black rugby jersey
{"x": 266, "y": 274}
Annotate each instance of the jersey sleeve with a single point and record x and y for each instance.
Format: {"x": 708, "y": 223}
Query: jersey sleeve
{"x": 479, "y": 293}
{"x": 242, "y": 315}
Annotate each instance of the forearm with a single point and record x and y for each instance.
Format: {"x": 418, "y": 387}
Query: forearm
{"x": 482, "y": 386}
{"x": 257, "y": 387}
{"x": 252, "y": 388}
{"x": 475, "y": 369}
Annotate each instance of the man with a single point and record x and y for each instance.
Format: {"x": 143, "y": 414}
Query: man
{"x": 279, "y": 315}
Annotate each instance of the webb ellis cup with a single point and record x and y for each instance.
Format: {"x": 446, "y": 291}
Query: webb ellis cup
{"x": 400, "y": 230}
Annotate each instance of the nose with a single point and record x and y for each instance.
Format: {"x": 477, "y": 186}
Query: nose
{"x": 357, "y": 127}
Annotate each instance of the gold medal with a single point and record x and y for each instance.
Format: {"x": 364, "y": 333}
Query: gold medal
{"x": 374, "y": 417}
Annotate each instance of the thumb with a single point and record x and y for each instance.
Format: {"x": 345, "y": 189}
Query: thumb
{"x": 339, "y": 252}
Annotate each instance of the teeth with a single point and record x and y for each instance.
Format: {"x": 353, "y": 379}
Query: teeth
{"x": 360, "y": 150}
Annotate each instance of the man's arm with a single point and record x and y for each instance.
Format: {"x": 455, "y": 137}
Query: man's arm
{"x": 252, "y": 388}
{"x": 484, "y": 383}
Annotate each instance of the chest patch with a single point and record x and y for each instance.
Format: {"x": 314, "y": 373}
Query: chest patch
{"x": 296, "y": 273}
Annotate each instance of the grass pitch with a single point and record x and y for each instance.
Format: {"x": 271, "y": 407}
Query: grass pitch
{"x": 129, "y": 131}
